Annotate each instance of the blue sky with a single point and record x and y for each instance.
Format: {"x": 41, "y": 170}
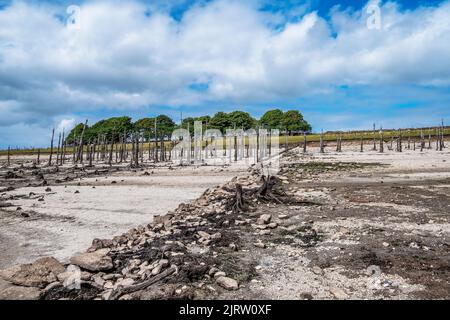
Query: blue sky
{"x": 142, "y": 58}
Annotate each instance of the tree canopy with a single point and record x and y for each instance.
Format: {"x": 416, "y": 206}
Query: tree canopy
{"x": 272, "y": 119}
{"x": 147, "y": 125}
{"x": 293, "y": 121}
{"x": 112, "y": 128}
{"x": 75, "y": 134}
{"x": 164, "y": 125}
{"x": 241, "y": 120}
{"x": 116, "y": 127}
{"x": 189, "y": 123}
{"x": 220, "y": 121}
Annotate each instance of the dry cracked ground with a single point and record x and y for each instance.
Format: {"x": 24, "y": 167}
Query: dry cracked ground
{"x": 330, "y": 226}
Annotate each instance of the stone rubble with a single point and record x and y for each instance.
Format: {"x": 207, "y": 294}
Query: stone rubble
{"x": 199, "y": 231}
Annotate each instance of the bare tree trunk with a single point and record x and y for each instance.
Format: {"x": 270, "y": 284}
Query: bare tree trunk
{"x": 322, "y": 147}
{"x": 409, "y": 140}
{"x": 80, "y": 147}
{"x": 374, "y": 139}
{"x": 91, "y": 154}
{"x": 422, "y": 141}
{"x": 9, "y": 156}
{"x": 136, "y": 156}
{"x": 63, "y": 157}
{"x": 59, "y": 148}
{"x": 285, "y": 140}
{"x": 39, "y": 156}
{"x": 381, "y": 141}
{"x": 51, "y": 148}
{"x": 304, "y": 142}
{"x": 74, "y": 150}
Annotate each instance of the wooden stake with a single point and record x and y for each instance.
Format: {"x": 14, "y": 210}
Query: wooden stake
{"x": 304, "y": 142}
{"x": 322, "y": 147}
{"x": 381, "y": 140}
{"x": 51, "y": 148}
{"x": 58, "y": 150}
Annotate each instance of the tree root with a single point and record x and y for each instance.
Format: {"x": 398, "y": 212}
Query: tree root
{"x": 265, "y": 193}
{"x": 143, "y": 285}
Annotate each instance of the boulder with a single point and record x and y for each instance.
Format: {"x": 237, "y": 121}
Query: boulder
{"x": 227, "y": 283}
{"x": 37, "y": 274}
{"x": 264, "y": 219}
{"x": 13, "y": 292}
{"x": 93, "y": 261}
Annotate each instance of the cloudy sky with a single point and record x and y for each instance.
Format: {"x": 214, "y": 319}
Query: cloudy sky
{"x": 328, "y": 59}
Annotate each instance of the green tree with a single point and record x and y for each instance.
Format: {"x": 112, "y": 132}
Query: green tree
{"x": 164, "y": 125}
{"x": 272, "y": 119}
{"x": 147, "y": 125}
{"x": 189, "y": 123}
{"x": 241, "y": 120}
{"x": 293, "y": 121}
{"x": 75, "y": 133}
{"x": 220, "y": 121}
{"x": 112, "y": 127}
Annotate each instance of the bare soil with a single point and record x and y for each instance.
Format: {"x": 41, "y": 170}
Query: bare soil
{"x": 344, "y": 225}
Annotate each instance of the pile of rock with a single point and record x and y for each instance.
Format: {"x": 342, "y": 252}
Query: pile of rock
{"x": 180, "y": 251}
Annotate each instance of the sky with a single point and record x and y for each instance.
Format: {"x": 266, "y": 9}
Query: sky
{"x": 344, "y": 64}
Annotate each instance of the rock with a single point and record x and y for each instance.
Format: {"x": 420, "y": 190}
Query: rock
{"x": 93, "y": 261}
{"x": 264, "y": 219}
{"x": 20, "y": 293}
{"x": 99, "y": 280}
{"x": 156, "y": 270}
{"x": 272, "y": 225}
{"x": 48, "y": 189}
{"x": 100, "y": 244}
{"x": 37, "y": 274}
{"x": 317, "y": 270}
{"x": 385, "y": 244}
{"x": 216, "y": 236}
{"x": 219, "y": 274}
{"x": 283, "y": 216}
{"x": 125, "y": 282}
{"x": 164, "y": 263}
{"x": 106, "y": 294}
{"x": 213, "y": 271}
{"x": 338, "y": 293}
{"x": 204, "y": 234}
{"x": 227, "y": 283}
{"x": 259, "y": 244}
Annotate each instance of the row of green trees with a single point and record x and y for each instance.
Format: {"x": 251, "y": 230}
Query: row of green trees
{"x": 117, "y": 127}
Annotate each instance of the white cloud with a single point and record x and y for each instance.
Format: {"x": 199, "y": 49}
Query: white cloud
{"x": 65, "y": 125}
{"x": 122, "y": 58}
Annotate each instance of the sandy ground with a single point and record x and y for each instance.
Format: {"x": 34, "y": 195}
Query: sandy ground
{"x": 73, "y": 214}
